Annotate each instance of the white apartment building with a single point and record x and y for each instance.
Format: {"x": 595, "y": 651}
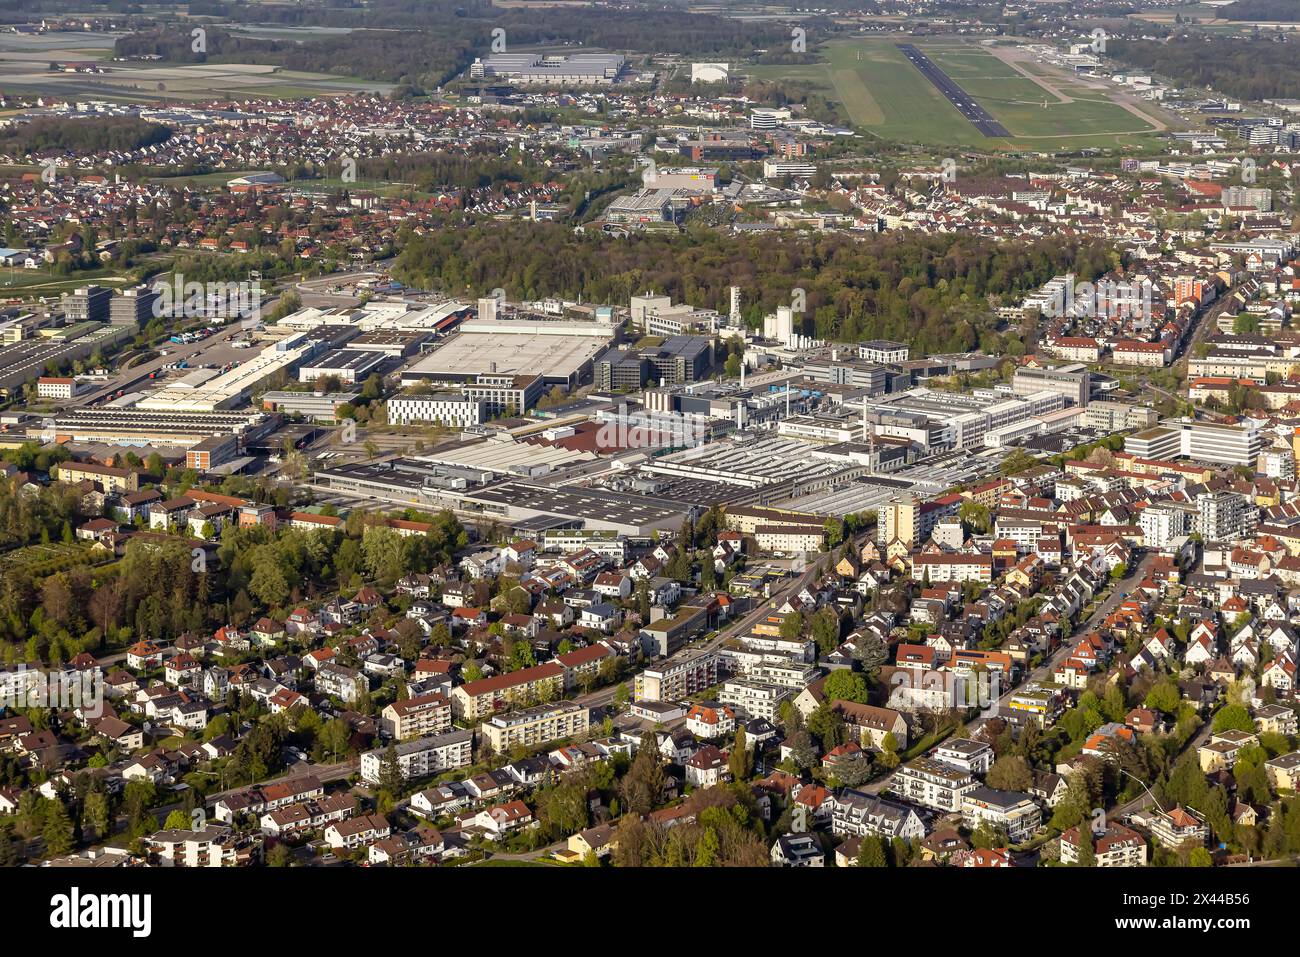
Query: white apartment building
{"x": 1277, "y": 463}
{"x": 789, "y": 538}
{"x": 1161, "y": 524}
{"x": 934, "y": 784}
{"x": 754, "y": 699}
{"x": 1220, "y": 515}
{"x": 974, "y": 757}
{"x": 1118, "y": 847}
{"x": 673, "y": 680}
{"x": 416, "y": 717}
{"x": 213, "y": 846}
{"x": 534, "y": 726}
{"x": 1018, "y": 814}
{"x": 422, "y": 757}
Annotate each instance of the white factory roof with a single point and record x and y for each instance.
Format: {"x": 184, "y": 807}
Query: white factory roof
{"x": 503, "y": 455}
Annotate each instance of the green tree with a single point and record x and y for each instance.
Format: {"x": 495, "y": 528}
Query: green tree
{"x": 1010, "y": 773}
{"x": 842, "y": 684}
{"x": 1164, "y": 696}
{"x": 58, "y": 830}
{"x": 741, "y": 760}
{"x": 1087, "y": 853}
{"x": 390, "y": 771}
{"x": 826, "y": 629}
{"x": 871, "y": 852}
{"x": 1233, "y": 717}
{"x": 792, "y": 625}
{"x": 643, "y": 784}
{"x": 976, "y": 516}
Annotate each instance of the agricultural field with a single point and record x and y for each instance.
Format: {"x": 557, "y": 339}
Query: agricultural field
{"x": 25, "y": 62}
{"x": 1043, "y": 107}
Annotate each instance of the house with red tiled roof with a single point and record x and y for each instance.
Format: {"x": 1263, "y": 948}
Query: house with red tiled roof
{"x": 498, "y": 821}
{"x": 711, "y": 721}
{"x": 707, "y": 767}
{"x": 476, "y": 699}
{"x": 582, "y": 665}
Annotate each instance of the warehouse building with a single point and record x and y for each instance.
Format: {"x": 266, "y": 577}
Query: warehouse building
{"x": 560, "y": 352}
{"x": 348, "y": 365}
{"x": 318, "y": 406}
{"x": 572, "y": 69}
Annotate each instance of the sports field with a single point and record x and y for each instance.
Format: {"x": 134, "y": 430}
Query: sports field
{"x": 1043, "y": 107}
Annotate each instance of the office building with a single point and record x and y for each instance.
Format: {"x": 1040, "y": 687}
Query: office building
{"x": 133, "y": 307}
{"x": 883, "y": 350}
{"x": 1212, "y": 442}
{"x": 499, "y": 394}
{"x": 450, "y": 409}
{"x": 620, "y": 370}
{"x": 1072, "y": 381}
{"x": 87, "y": 304}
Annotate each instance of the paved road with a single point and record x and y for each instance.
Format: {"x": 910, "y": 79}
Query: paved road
{"x": 1043, "y": 672}
{"x": 605, "y": 696}
{"x": 175, "y": 353}
{"x": 980, "y": 118}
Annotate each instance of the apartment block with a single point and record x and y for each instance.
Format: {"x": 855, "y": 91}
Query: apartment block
{"x": 416, "y": 717}
{"x": 422, "y": 757}
{"x": 534, "y": 726}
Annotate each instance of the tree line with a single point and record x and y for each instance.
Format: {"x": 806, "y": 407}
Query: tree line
{"x": 81, "y": 135}
{"x": 1251, "y": 69}
{"x": 933, "y": 291}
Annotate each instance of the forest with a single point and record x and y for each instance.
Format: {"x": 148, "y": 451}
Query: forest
{"x": 155, "y": 591}
{"x": 1280, "y": 10}
{"x": 81, "y": 136}
{"x": 931, "y": 291}
{"x": 476, "y": 166}
{"x": 1253, "y": 69}
{"x": 407, "y": 51}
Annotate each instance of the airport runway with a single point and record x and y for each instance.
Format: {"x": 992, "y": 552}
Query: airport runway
{"x": 957, "y": 96}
